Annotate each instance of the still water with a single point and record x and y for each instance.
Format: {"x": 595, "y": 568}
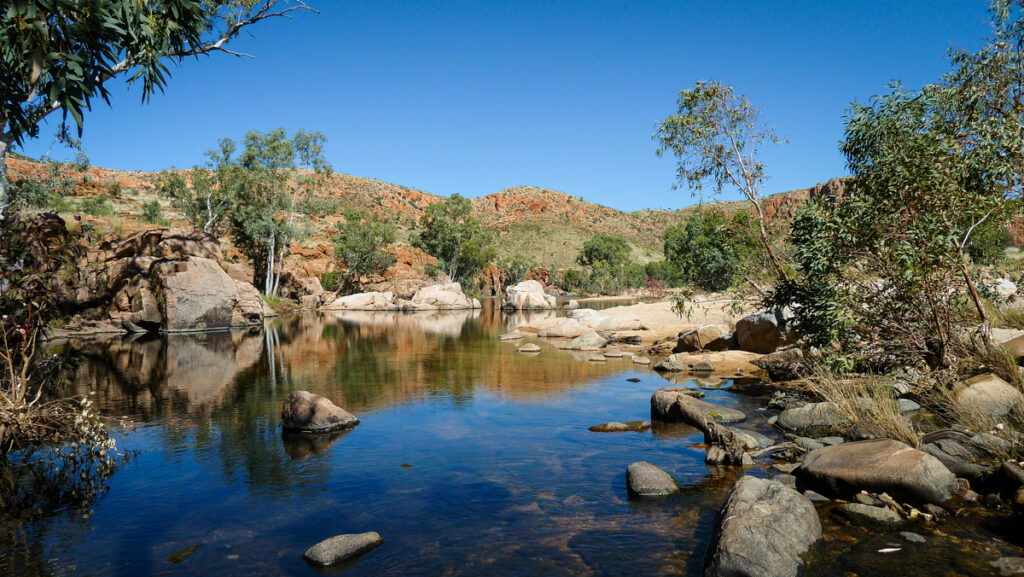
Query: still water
{"x": 471, "y": 459}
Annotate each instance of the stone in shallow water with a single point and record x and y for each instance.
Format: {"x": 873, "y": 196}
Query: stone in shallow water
{"x": 666, "y": 405}
{"x": 763, "y": 529}
{"x": 341, "y": 547}
{"x": 641, "y": 361}
{"x": 866, "y": 514}
{"x": 529, "y": 348}
{"x": 512, "y": 336}
{"x": 617, "y": 427}
{"x": 645, "y": 480}
{"x": 1008, "y": 566}
{"x": 305, "y": 411}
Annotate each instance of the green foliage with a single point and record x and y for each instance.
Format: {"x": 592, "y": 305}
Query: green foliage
{"x": 97, "y": 206}
{"x": 988, "y": 243}
{"x": 360, "y": 244}
{"x": 883, "y": 271}
{"x": 571, "y": 280}
{"x": 266, "y": 182}
{"x": 205, "y": 204}
{"x": 610, "y": 249}
{"x": 715, "y": 136}
{"x": 58, "y": 181}
{"x": 331, "y": 281}
{"x": 450, "y": 233}
{"x": 152, "y": 212}
{"x": 710, "y": 250}
{"x": 517, "y": 266}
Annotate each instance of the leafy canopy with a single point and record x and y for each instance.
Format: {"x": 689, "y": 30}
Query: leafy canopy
{"x": 361, "y": 241}
{"x": 449, "y": 232}
{"x": 884, "y": 269}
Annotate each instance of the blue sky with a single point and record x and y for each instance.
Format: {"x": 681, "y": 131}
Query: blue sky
{"x": 474, "y": 97}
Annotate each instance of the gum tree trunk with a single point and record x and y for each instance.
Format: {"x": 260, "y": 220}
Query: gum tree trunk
{"x": 5, "y": 184}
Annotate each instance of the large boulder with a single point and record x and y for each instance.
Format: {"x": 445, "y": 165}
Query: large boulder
{"x": 371, "y": 301}
{"x": 527, "y": 295}
{"x": 666, "y": 405}
{"x": 448, "y": 296}
{"x": 988, "y": 395}
{"x": 878, "y": 466}
{"x": 704, "y": 338}
{"x": 763, "y": 529}
{"x": 645, "y": 480}
{"x": 759, "y": 333}
{"x": 194, "y": 294}
{"x": 305, "y": 411}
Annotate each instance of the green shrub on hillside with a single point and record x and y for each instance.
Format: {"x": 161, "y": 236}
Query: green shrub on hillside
{"x": 97, "y": 206}
{"x": 152, "y": 212}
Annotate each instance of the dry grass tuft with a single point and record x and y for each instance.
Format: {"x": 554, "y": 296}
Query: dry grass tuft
{"x": 865, "y": 401}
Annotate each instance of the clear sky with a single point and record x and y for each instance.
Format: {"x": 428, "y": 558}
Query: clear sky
{"x": 474, "y": 97}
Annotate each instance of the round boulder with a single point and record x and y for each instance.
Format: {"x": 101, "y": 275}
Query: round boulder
{"x": 645, "y": 480}
{"x": 342, "y": 547}
{"x": 305, "y": 411}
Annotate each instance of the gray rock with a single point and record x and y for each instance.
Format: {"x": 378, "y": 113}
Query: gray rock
{"x": 752, "y": 440}
{"x": 512, "y": 336}
{"x": 831, "y": 440}
{"x": 867, "y": 514}
{"x": 758, "y": 333}
{"x": 674, "y": 363}
{"x": 528, "y": 348}
{"x": 913, "y": 537}
{"x": 815, "y": 496}
{"x": 305, "y": 411}
{"x": 342, "y": 547}
{"x": 641, "y": 360}
{"x": 811, "y": 415}
{"x": 645, "y": 480}
{"x": 907, "y": 406}
{"x": 762, "y": 529}
{"x": 666, "y": 405}
{"x": 702, "y": 367}
{"x": 194, "y": 294}
{"x": 590, "y": 341}
{"x": 878, "y": 465}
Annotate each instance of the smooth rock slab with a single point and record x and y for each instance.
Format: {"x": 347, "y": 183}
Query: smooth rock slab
{"x": 645, "y": 480}
{"x": 342, "y": 547}
{"x": 878, "y": 465}
{"x": 666, "y": 405}
{"x": 512, "y": 336}
{"x": 811, "y": 415}
{"x": 762, "y": 530}
{"x": 529, "y": 348}
{"x": 305, "y": 411}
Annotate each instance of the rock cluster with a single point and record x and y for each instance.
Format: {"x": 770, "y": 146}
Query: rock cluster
{"x": 447, "y": 296}
{"x": 527, "y": 295}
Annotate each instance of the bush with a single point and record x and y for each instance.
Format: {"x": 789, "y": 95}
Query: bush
{"x": 710, "y": 250}
{"x": 97, "y": 206}
{"x": 331, "y": 281}
{"x": 988, "y": 243}
{"x": 152, "y": 212}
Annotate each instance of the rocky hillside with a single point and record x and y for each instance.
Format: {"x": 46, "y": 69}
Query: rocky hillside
{"x": 548, "y": 226}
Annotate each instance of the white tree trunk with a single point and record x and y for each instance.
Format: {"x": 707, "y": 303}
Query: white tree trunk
{"x": 268, "y": 283}
{"x": 5, "y": 184}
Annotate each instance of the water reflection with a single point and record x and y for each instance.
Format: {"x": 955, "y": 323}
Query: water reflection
{"x": 300, "y": 445}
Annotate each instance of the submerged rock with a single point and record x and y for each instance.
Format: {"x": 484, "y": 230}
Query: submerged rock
{"x": 529, "y": 348}
{"x": 762, "y": 529}
{"x": 617, "y": 427}
{"x": 305, "y": 411}
{"x": 666, "y": 406}
{"x": 878, "y": 465}
{"x": 512, "y": 336}
{"x": 341, "y": 547}
{"x": 645, "y": 480}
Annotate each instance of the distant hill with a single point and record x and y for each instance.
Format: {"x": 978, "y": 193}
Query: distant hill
{"x": 545, "y": 225}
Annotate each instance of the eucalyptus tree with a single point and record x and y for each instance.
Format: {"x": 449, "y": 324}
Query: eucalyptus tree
{"x": 716, "y": 136}
{"x": 449, "y": 232}
{"x": 60, "y": 55}
{"x": 267, "y": 181}
{"x": 886, "y": 268}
